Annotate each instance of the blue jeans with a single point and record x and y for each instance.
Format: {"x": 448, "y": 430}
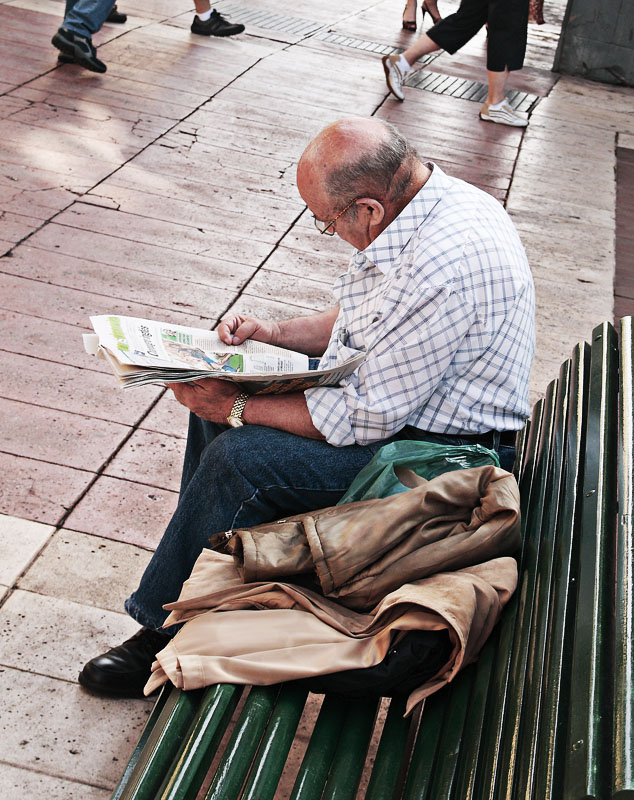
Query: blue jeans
{"x": 236, "y": 478}
{"x": 85, "y": 17}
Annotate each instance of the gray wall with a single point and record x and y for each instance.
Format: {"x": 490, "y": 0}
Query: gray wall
{"x": 597, "y": 41}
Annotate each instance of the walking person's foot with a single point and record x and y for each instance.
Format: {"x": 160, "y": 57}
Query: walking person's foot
{"x": 504, "y": 114}
{"x": 124, "y": 670}
{"x": 394, "y": 75}
{"x": 116, "y": 16}
{"x": 79, "y": 48}
{"x": 216, "y": 25}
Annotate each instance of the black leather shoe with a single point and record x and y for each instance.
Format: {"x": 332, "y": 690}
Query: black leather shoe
{"x": 116, "y": 16}
{"x": 216, "y": 25}
{"x": 124, "y": 670}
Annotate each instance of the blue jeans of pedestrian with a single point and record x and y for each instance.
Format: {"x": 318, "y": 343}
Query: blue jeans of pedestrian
{"x": 86, "y": 17}
{"x": 239, "y": 477}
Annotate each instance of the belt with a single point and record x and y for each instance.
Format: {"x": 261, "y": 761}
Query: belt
{"x": 487, "y": 439}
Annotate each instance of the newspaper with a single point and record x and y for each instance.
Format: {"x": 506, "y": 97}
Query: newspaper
{"x": 142, "y": 352}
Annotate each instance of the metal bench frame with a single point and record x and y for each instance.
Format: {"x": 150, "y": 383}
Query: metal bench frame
{"x": 546, "y": 712}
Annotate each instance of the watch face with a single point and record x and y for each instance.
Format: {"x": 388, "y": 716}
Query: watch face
{"x": 235, "y": 422}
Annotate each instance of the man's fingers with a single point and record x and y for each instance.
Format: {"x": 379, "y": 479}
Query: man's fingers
{"x": 234, "y": 330}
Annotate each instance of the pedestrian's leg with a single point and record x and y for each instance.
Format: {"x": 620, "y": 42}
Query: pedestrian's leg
{"x": 497, "y": 83}
{"x": 450, "y": 34}
{"x": 506, "y": 46}
{"x": 74, "y": 38}
{"x": 86, "y": 17}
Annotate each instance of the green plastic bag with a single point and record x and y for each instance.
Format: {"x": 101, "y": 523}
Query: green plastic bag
{"x": 427, "y": 459}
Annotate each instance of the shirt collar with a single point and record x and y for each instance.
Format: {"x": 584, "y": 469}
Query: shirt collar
{"x": 390, "y": 243}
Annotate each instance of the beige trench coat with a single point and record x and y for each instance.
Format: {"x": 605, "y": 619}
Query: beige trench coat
{"x": 389, "y": 555}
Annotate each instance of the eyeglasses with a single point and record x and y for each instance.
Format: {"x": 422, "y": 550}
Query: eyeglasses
{"x": 329, "y": 229}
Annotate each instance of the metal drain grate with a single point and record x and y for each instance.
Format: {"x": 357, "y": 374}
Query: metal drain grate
{"x": 265, "y": 19}
{"x": 464, "y": 88}
{"x": 358, "y": 44}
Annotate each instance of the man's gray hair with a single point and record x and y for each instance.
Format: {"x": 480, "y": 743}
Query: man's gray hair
{"x": 372, "y": 175}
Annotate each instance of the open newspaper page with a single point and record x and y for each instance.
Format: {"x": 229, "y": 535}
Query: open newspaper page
{"x": 142, "y": 352}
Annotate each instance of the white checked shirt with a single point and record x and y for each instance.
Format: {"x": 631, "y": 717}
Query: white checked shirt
{"x": 443, "y": 302}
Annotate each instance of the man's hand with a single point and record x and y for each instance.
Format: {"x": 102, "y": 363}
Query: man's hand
{"x": 211, "y": 398}
{"x": 236, "y": 328}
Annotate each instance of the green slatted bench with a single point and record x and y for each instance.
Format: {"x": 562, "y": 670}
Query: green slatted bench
{"x": 546, "y": 712}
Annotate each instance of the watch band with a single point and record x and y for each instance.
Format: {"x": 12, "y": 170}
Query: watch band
{"x": 235, "y": 416}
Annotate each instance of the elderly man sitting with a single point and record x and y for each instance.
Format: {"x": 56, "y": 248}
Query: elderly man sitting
{"x": 438, "y": 294}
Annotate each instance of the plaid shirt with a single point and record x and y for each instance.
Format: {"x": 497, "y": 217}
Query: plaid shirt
{"x": 442, "y": 301}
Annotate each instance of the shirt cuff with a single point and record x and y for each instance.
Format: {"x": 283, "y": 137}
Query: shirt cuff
{"x": 329, "y": 413}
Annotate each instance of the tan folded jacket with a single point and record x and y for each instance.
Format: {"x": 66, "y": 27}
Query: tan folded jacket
{"x": 364, "y": 550}
{"x": 390, "y": 555}
{"x": 297, "y": 633}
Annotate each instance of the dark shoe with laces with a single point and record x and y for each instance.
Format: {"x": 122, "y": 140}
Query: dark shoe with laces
{"x": 80, "y": 48}
{"x": 124, "y": 670}
{"x": 116, "y": 16}
{"x": 216, "y": 25}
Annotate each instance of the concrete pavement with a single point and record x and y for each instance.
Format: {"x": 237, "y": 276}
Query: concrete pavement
{"x": 165, "y": 189}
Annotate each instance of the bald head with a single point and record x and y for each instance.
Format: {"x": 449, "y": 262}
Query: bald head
{"x": 354, "y": 158}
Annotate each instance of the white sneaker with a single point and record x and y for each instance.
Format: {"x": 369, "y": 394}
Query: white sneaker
{"x": 394, "y": 76}
{"x": 503, "y": 115}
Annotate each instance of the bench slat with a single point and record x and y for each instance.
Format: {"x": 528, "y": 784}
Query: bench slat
{"x": 526, "y": 592}
{"x": 420, "y": 770}
{"x": 589, "y": 744}
{"x": 162, "y": 744}
{"x": 139, "y": 750}
{"x": 490, "y": 763}
{"x": 526, "y": 729}
{"x": 243, "y": 744}
{"x": 476, "y": 721}
{"x": 188, "y": 771}
{"x": 623, "y": 773}
{"x": 347, "y": 765}
{"x": 391, "y": 752}
{"x": 547, "y": 781}
{"x": 324, "y": 740}
{"x": 276, "y": 742}
{"x": 444, "y": 770}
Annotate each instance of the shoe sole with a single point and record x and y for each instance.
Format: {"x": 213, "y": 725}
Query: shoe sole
{"x": 512, "y": 124}
{"x": 386, "y": 70}
{"x": 107, "y": 691}
{"x": 69, "y": 49}
{"x": 203, "y": 33}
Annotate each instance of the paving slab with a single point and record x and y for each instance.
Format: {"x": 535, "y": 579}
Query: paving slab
{"x": 84, "y": 400}
{"x": 178, "y": 237}
{"x": 20, "y": 542}
{"x": 46, "y": 301}
{"x": 137, "y": 514}
{"x": 39, "y": 490}
{"x": 151, "y": 458}
{"x": 191, "y": 292}
{"x": 167, "y": 416}
{"x": 17, "y": 782}
{"x": 72, "y": 735}
{"x": 53, "y": 636}
{"x": 85, "y": 569}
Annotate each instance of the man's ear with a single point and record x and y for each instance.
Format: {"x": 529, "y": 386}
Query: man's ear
{"x": 373, "y": 207}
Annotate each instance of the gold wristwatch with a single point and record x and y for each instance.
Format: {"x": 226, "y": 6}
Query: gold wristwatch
{"x": 235, "y": 417}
